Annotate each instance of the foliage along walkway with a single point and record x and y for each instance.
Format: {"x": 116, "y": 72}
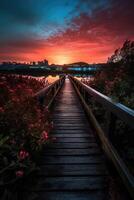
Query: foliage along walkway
{"x": 73, "y": 166}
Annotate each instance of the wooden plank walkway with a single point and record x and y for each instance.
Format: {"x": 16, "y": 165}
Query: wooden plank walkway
{"x": 73, "y": 166}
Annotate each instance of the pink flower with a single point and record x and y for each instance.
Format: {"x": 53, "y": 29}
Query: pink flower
{"x": 52, "y": 124}
{"x": 19, "y": 173}
{"x": 11, "y": 91}
{"x": 1, "y": 110}
{"x": 23, "y": 154}
{"x": 31, "y": 126}
{"x": 15, "y": 99}
{"x": 29, "y": 91}
{"x": 46, "y": 109}
{"x": 44, "y": 135}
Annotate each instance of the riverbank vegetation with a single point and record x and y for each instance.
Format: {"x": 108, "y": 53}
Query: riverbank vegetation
{"x": 116, "y": 80}
{"x": 24, "y": 130}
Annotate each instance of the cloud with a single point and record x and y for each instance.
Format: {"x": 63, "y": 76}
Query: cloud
{"x": 43, "y": 17}
{"x": 19, "y": 12}
{"x": 107, "y": 28}
{"x": 92, "y": 35}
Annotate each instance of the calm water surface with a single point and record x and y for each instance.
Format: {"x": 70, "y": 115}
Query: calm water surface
{"x": 50, "y": 78}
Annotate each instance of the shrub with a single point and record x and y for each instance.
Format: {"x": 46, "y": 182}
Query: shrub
{"x": 24, "y": 128}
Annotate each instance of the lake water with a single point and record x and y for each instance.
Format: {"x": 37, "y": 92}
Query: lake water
{"x": 51, "y": 78}
{"x": 84, "y": 77}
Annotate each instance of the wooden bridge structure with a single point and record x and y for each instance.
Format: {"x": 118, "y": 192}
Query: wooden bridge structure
{"x": 73, "y": 165}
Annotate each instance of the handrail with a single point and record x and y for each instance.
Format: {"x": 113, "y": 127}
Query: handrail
{"x": 52, "y": 88}
{"x": 118, "y": 110}
{"x": 122, "y": 112}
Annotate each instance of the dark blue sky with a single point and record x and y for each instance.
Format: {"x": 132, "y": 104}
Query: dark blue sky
{"x": 64, "y": 30}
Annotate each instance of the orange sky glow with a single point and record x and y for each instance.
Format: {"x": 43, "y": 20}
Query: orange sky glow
{"x": 64, "y": 54}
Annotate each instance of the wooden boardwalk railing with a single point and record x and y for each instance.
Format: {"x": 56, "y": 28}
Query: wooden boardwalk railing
{"x": 114, "y": 111}
{"x": 73, "y": 166}
{"x": 47, "y": 95}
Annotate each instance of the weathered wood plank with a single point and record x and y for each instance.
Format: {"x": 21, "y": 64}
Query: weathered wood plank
{"x": 80, "y": 124}
{"x": 73, "y": 152}
{"x": 73, "y": 195}
{"x": 71, "y": 140}
{"x": 72, "y": 183}
{"x": 70, "y": 121}
{"x": 71, "y": 127}
{"x": 72, "y": 135}
{"x": 93, "y": 159}
{"x": 73, "y": 145}
{"x": 73, "y": 170}
{"x": 81, "y": 131}
{"x": 74, "y": 115}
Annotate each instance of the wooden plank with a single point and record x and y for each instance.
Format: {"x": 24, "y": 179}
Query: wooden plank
{"x": 59, "y": 117}
{"x": 72, "y": 140}
{"x": 71, "y": 128}
{"x": 73, "y": 195}
{"x": 66, "y": 113}
{"x": 74, "y": 131}
{"x": 72, "y": 152}
{"x": 72, "y": 183}
{"x": 73, "y": 170}
{"x": 77, "y": 115}
{"x": 93, "y": 159}
{"x": 81, "y": 119}
{"x": 64, "y": 123}
{"x": 73, "y": 145}
{"x": 68, "y": 109}
{"x": 74, "y": 135}
{"x": 69, "y": 119}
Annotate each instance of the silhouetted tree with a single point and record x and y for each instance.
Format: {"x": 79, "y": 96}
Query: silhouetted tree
{"x": 116, "y": 79}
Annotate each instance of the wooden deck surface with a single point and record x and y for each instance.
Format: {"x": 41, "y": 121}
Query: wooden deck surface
{"x": 73, "y": 167}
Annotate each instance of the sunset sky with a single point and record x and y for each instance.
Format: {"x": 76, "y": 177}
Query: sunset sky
{"x": 64, "y": 31}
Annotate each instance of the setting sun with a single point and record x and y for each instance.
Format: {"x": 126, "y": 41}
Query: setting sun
{"x": 61, "y": 59}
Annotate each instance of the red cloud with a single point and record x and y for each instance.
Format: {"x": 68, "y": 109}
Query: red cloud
{"x": 90, "y": 38}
